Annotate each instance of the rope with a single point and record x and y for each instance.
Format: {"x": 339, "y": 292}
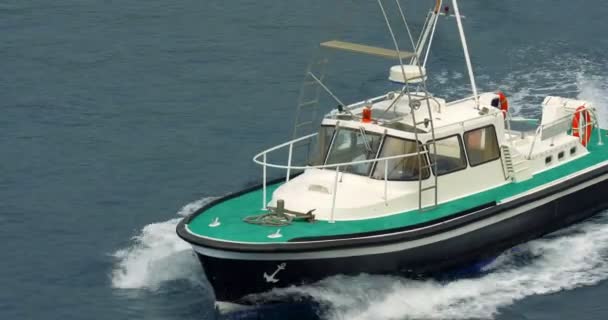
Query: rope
{"x": 279, "y": 216}
{"x": 269, "y": 219}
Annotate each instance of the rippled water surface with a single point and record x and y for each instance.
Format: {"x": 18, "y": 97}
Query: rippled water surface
{"x": 118, "y": 117}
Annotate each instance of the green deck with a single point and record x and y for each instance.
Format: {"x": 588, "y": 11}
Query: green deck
{"x": 232, "y": 212}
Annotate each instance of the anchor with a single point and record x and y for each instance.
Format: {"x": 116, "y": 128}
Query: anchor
{"x": 271, "y": 278}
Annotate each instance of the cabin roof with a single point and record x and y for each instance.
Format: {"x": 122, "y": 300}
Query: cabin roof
{"x": 447, "y": 117}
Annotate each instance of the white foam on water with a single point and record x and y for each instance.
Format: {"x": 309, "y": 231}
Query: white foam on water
{"x": 157, "y": 255}
{"x": 576, "y": 257}
{"x": 526, "y": 87}
{"x": 193, "y": 206}
{"x": 595, "y": 89}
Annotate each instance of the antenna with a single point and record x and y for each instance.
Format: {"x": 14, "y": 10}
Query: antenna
{"x": 327, "y": 89}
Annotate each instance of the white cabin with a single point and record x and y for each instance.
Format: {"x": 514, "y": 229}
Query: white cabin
{"x": 475, "y": 152}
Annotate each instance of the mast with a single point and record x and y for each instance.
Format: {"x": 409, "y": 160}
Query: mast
{"x": 465, "y": 48}
{"x": 429, "y": 26}
{"x": 435, "y": 14}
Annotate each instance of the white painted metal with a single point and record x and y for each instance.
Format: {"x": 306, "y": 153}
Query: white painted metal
{"x": 289, "y": 157}
{"x": 435, "y": 14}
{"x": 326, "y": 166}
{"x": 386, "y": 182}
{"x": 264, "y": 202}
{"x": 426, "y": 30}
{"x": 406, "y": 26}
{"x": 326, "y": 88}
{"x": 334, "y": 195}
{"x": 215, "y": 223}
{"x": 465, "y": 48}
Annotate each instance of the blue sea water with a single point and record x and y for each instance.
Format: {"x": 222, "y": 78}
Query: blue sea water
{"x": 116, "y": 115}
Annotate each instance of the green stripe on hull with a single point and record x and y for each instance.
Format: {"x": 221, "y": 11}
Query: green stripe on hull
{"x": 232, "y": 211}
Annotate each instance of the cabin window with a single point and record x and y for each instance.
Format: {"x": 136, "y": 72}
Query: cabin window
{"x": 482, "y": 145}
{"x": 350, "y": 145}
{"x": 322, "y": 144}
{"x": 402, "y": 169}
{"x": 450, "y": 155}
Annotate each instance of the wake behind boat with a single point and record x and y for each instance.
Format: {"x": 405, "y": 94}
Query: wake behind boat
{"x": 405, "y": 182}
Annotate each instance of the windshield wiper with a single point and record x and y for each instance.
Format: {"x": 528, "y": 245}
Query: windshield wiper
{"x": 365, "y": 141}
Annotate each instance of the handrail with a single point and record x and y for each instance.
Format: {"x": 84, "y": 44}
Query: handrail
{"x": 462, "y": 123}
{"x": 327, "y": 166}
{"x": 337, "y": 166}
{"x": 538, "y": 130}
{"x": 372, "y": 100}
{"x": 284, "y": 144}
{"x": 459, "y": 100}
{"x": 594, "y": 123}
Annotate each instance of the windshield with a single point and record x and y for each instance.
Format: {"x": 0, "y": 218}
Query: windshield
{"x": 401, "y": 169}
{"x": 321, "y": 145}
{"x": 350, "y": 145}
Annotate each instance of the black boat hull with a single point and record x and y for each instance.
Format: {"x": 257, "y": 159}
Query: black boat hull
{"x": 234, "y": 274}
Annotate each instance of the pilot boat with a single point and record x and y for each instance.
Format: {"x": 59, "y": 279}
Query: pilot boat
{"x": 402, "y": 183}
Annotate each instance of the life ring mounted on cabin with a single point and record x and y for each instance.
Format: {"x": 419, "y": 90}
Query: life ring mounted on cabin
{"x": 582, "y": 127}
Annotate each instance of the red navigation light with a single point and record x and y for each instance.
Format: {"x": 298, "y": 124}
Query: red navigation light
{"x": 367, "y": 115}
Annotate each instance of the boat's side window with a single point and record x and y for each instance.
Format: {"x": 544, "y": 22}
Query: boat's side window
{"x": 560, "y": 155}
{"x": 319, "y": 152}
{"x": 450, "y": 155}
{"x": 481, "y": 145}
{"x": 572, "y": 151}
{"x": 401, "y": 169}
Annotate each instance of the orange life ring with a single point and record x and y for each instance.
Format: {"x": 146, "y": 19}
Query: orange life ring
{"x": 576, "y": 125}
{"x": 504, "y": 103}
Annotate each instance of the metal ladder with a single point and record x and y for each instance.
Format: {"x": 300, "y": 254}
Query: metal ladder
{"x": 308, "y": 104}
{"x": 415, "y": 104}
{"x": 308, "y": 101}
{"x": 508, "y": 161}
{"x": 515, "y": 166}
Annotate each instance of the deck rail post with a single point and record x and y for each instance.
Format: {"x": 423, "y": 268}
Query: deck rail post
{"x": 538, "y": 130}
{"x": 264, "y": 183}
{"x": 386, "y": 182}
{"x": 335, "y": 191}
{"x": 289, "y": 162}
{"x": 599, "y": 130}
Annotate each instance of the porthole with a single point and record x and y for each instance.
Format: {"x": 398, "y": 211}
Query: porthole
{"x": 572, "y": 150}
{"x": 548, "y": 159}
{"x": 560, "y": 155}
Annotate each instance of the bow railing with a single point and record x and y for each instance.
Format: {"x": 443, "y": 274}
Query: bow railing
{"x": 337, "y": 166}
